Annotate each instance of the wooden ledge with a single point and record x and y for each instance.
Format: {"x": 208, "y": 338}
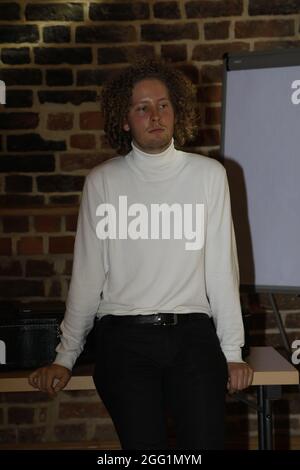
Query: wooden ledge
{"x": 270, "y": 368}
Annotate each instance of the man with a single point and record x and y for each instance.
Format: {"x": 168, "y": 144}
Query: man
{"x": 169, "y": 330}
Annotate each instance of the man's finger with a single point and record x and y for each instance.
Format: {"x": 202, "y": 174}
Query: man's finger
{"x": 62, "y": 382}
{"x": 33, "y": 379}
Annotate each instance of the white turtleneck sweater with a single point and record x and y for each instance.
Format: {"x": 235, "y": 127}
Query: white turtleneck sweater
{"x": 128, "y": 276}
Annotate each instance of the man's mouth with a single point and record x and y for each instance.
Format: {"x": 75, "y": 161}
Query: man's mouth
{"x": 156, "y": 129}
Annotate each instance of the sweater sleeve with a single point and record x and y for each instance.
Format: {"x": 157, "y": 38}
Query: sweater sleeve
{"x": 88, "y": 276}
{"x": 222, "y": 270}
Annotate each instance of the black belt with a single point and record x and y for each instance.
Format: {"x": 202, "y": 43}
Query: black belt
{"x": 162, "y": 319}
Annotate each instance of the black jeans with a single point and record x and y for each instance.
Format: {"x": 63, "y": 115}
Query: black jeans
{"x": 144, "y": 370}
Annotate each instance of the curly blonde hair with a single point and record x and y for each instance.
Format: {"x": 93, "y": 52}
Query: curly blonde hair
{"x": 116, "y": 99}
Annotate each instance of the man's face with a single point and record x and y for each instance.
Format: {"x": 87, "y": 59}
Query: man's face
{"x": 151, "y": 116}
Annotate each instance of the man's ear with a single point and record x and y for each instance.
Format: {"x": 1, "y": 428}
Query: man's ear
{"x": 126, "y": 126}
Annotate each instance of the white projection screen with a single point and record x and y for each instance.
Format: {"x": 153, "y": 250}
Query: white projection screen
{"x": 261, "y": 151}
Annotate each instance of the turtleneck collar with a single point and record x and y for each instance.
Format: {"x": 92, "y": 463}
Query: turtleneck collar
{"x": 156, "y": 166}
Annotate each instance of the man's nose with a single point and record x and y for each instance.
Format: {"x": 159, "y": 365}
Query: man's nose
{"x": 155, "y": 114}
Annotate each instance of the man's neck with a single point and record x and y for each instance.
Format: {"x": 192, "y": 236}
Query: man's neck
{"x": 152, "y": 151}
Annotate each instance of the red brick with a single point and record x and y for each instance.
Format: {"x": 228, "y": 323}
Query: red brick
{"x": 61, "y": 244}
{"x": 68, "y": 267}
{"x": 15, "y": 224}
{"x": 8, "y": 436}
{"x": 71, "y": 222}
{"x": 213, "y": 116}
{"x": 212, "y": 8}
{"x": 216, "y": 51}
{"x": 39, "y": 268}
{"x": 19, "y": 120}
{"x": 75, "y": 97}
{"x": 263, "y": 339}
{"x": 16, "y": 56}
{"x": 79, "y": 161}
{"x": 9, "y": 267}
{"x": 119, "y": 11}
{"x": 43, "y": 415}
{"x": 82, "y": 410}
{"x": 262, "y": 320}
{"x": 22, "y": 288}
{"x": 105, "y": 34}
{"x": 104, "y": 142}
{"x": 25, "y": 397}
{"x": 62, "y": 55}
{"x": 117, "y": 55}
{"x": 169, "y": 31}
{"x": 210, "y": 94}
{"x": 30, "y": 246}
{"x": 174, "y": 52}
{"x": 60, "y": 121}
{"x": 54, "y": 12}
{"x": 10, "y": 11}
{"x": 211, "y": 73}
{"x": 59, "y": 77}
{"x": 91, "y": 120}
{"x": 19, "y": 415}
{"x": 293, "y": 320}
{"x": 264, "y": 28}
{"x": 5, "y": 246}
{"x": 33, "y": 142}
{"x": 30, "y": 164}
{"x": 18, "y": 184}
{"x": 95, "y": 76}
{"x": 58, "y": 34}
{"x": 60, "y": 183}
{"x": 24, "y": 76}
{"x": 167, "y": 10}
{"x": 273, "y": 7}
{"x": 64, "y": 200}
{"x": 207, "y": 137}
{"x": 283, "y": 301}
{"x": 47, "y": 223}
{"x": 31, "y": 435}
{"x": 294, "y": 406}
{"x": 55, "y": 289}
{"x": 218, "y": 30}
{"x": 83, "y": 141}
{"x": 71, "y": 432}
{"x": 265, "y": 45}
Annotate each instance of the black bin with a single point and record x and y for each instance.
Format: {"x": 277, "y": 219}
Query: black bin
{"x": 30, "y": 335}
{"x": 31, "y": 332}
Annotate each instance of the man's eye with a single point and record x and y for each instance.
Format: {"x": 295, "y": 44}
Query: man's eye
{"x": 142, "y": 109}
{"x": 163, "y": 105}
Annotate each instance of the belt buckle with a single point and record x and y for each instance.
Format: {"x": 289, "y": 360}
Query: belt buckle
{"x": 164, "y": 321}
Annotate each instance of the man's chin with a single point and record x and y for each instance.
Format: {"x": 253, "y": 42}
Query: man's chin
{"x": 153, "y": 145}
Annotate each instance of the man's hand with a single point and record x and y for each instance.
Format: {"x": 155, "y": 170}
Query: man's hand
{"x": 240, "y": 376}
{"x": 50, "y": 379}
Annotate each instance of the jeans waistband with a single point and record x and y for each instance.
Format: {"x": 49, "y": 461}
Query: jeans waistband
{"x": 160, "y": 318}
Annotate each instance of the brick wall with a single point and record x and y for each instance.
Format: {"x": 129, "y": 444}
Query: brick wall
{"x": 55, "y": 57}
